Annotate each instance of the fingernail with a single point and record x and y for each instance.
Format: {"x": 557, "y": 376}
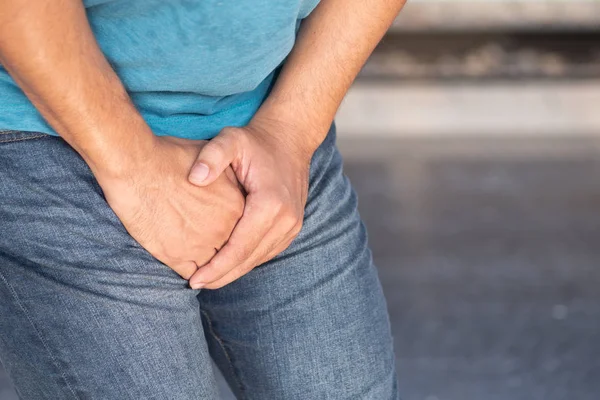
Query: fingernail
{"x": 197, "y": 285}
{"x": 199, "y": 173}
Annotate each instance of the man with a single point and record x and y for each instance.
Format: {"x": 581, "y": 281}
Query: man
{"x": 133, "y": 248}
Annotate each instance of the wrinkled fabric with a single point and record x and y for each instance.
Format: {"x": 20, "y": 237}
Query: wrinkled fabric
{"x": 87, "y": 313}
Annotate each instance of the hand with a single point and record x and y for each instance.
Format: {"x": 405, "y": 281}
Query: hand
{"x": 274, "y": 173}
{"x": 180, "y": 224}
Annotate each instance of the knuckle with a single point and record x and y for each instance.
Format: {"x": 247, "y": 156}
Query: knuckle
{"x": 242, "y": 254}
{"x": 221, "y": 235}
{"x": 290, "y": 219}
{"x": 170, "y": 255}
{"x": 217, "y": 146}
{"x": 234, "y": 136}
{"x": 234, "y": 132}
{"x": 272, "y": 204}
{"x": 297, "y": 229}
{"x": 290, "y": 215}
{"x": 229, "y": 130}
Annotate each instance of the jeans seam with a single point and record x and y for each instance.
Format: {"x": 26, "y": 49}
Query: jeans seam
{"x": 22, "y": 139}
{"x": 222, "y": 345}
{"x": 37, "y": 332}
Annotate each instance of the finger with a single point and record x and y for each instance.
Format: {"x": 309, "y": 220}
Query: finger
{"x": 185, "y": 269}
{"x": 246, "y": 267}
{"x": 246, "y": 237}
{"x": 278, "y": 243}
{"x": 205, "y": 257}
{"x": 283, "y": 242}
{"x": 280, "y": 248}
{"x": 288, "y": 233}
{"x": 230, "y": 277}
{"x": 213, "y": 159}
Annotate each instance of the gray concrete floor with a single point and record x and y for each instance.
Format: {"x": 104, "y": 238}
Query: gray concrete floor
{"x": 488, "y": 253}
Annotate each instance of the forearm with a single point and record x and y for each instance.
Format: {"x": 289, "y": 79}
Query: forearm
{"x": 333, "y": 44}
{"x": 48, "y": 47}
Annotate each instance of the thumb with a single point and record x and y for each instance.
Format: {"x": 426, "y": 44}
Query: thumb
{"x": 213, "y": 159}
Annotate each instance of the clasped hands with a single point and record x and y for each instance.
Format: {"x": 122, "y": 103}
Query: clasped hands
{"x": 212, "y": 211}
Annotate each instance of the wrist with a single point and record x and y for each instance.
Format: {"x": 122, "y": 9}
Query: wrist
{"x": 116, "y": 155}
{"x": 283, "y": 137}
{"x": 298, "y": 131}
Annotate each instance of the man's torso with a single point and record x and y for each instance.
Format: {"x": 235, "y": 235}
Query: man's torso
{"x": 190, "y": 66}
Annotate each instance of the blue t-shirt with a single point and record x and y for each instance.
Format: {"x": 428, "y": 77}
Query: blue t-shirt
{"x": 191, "y": 67}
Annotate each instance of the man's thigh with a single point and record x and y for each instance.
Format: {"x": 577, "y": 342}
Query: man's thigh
{"x": 85, "y": 312}
{"x": 312, "y": 323}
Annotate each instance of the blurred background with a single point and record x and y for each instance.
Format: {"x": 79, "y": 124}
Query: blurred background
{"x": 473, "y": 140}
{"x": 472, "y": 137}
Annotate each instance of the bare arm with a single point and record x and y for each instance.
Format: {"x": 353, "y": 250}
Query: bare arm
{"x": 334, "y": 43}
{"x": 49, "y": 49}
{"x": 271, "y": 155}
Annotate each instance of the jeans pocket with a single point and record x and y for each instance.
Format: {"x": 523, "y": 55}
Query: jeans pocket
{"x": 9, "y": 136}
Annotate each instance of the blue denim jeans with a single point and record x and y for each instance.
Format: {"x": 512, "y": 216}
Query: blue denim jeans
{"x": 87, "y": 313}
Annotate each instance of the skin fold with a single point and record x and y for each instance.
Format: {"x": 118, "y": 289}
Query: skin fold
{"x": 49, "y": 49}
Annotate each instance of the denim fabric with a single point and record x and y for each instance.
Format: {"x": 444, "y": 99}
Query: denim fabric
{"x": 87, "y": 313}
